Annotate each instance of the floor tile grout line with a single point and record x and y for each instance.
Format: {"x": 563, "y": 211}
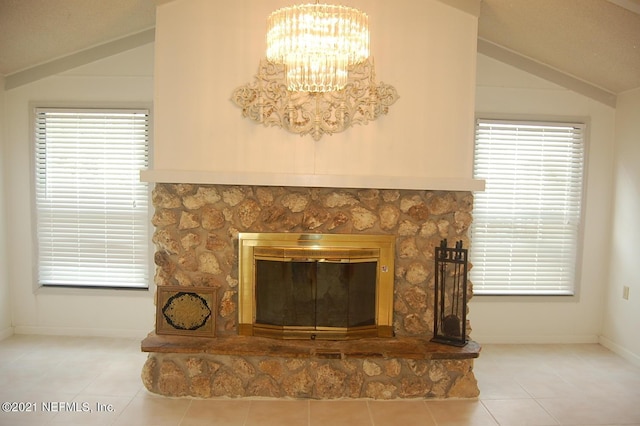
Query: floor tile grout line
{"x": 516, "y": 381}
{"x": 185, "y": 412}
{"x": 371, "y": 421}
{"x": 127, "y": 405}
{"x": 495, "y": 419}
{"x": 246, "y": 414}
{"x": 558, "y": 422}
{"x": 431, "y": 415}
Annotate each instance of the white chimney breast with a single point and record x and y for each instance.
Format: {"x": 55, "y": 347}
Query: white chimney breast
{"x": 205, "y": 49}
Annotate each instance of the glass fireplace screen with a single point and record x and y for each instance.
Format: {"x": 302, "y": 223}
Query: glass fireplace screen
{"x": 315, "y": 293}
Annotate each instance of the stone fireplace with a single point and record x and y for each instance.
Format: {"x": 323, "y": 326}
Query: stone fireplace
{"x": 199, "y": 229}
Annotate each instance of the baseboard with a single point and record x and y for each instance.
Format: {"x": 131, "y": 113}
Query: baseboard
{"x": 7, "y": 332}
{"x": 82, "y": 332}
{"x": 620, "y": 350}
{"x": 533, "y": 339}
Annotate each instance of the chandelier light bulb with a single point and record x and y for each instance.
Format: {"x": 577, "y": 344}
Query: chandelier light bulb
{"x": 317, "y": 43}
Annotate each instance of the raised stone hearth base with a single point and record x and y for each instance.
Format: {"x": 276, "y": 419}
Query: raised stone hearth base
{"x": 239, "y": 366}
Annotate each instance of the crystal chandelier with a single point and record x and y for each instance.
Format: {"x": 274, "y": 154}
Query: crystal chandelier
{"x": 317, "y": 43}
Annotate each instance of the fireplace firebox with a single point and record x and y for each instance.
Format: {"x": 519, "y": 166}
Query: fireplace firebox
{"x": 324, "y": 286}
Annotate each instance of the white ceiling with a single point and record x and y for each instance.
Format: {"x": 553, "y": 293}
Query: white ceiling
{"x": 33, "y": 32}
{"x": 596, "y": 41}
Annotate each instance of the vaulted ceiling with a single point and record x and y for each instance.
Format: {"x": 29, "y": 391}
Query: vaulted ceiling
{"x": 593, "y": 41}
{"x": 33, "y": 32}
{"x": 597, "y": 41}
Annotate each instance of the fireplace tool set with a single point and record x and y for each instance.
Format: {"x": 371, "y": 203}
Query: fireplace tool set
{"x": 450, "y": 306}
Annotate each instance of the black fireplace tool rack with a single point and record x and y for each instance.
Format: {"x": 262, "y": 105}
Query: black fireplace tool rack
{"x": 450, "y": 301}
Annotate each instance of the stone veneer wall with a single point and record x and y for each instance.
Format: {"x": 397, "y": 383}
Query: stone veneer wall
{"x": 197, "y": 227}
{"x": 196, "y": 244}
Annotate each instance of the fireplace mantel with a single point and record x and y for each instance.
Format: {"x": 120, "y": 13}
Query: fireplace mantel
{"x": 312, "y": 180}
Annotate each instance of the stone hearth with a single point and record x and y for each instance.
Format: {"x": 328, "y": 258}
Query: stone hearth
{"x": 196, "y": 245}
{"x": 241, "y": 366}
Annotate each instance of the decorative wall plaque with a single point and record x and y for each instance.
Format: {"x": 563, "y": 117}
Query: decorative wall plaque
{"x": 186, "y": 311}
{"x": 268, "y": 101}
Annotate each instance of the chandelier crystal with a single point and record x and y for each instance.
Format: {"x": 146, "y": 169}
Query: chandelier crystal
{"x": 317, "y": 43}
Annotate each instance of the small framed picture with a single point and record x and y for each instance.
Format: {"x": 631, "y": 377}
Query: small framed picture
{"x": 186, "y": 311}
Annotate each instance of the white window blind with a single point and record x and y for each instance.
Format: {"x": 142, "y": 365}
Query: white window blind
{"x": 527, "y": 222}
{"x": 91, "y": 208}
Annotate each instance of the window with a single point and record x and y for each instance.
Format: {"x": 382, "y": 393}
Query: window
{"x": 91, "y": 208}
{"x": 527, "y": 222}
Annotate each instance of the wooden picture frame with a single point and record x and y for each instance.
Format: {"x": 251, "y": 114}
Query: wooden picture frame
{"x": 186, "y": 311}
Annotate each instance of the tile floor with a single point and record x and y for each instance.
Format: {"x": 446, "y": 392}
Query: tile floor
{"x": 520, "y": 385}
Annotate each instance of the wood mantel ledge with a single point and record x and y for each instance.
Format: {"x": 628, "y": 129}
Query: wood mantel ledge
{"x": 395, "y": 347}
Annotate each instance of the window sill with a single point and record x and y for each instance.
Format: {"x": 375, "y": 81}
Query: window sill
{"x": 490, "y": 298}
{"x": 94, "y": 291}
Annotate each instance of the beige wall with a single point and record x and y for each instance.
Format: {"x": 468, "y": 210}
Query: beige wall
{"x": 5, "y": 305}
{"x": 623, "y": 316}
{"x": 205, "y": 49}
{"x": 125, "y": 79}
{"x": 506, "y": 91}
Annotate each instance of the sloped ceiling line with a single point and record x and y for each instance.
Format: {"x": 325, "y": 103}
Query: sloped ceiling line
{"x": 546, "y": 72}
{"x": 78, "y": 59}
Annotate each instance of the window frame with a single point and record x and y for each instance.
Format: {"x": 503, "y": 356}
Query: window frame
{"x": 578, "y": 263}
{"x": 39, "y": 288}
